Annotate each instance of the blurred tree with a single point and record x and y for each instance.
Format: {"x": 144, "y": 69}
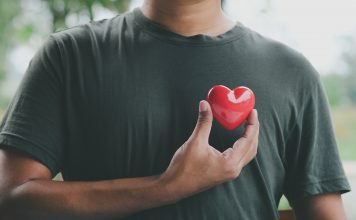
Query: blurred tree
{"x": 8, "y": 11}
{"x": 13, "y": 32}
{"x": 335, "y": 88}
{"x": 10, "y": 34}
{"x": 60, "y": 9}
{"x": 349, "y": 59}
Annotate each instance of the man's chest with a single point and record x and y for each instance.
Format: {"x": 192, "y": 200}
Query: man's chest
{"x": 129, "y": 118}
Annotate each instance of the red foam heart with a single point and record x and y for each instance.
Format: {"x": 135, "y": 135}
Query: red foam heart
{"x": 230, "y": 107}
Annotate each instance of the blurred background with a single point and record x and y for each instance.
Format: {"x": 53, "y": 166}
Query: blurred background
{"x": 324, "y": 31}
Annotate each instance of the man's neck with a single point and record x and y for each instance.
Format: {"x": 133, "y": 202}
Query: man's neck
{"x": 188, "y": 17}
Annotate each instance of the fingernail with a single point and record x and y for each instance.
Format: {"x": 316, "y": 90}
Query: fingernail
{"x": 202, "y": 106}
{"x": 256, "y": 113}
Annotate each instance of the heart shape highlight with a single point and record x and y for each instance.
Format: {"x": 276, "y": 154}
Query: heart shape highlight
{"x": 230, "y": 107}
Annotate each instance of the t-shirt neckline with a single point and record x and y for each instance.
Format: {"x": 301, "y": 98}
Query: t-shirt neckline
{"x": 159, "y": 31}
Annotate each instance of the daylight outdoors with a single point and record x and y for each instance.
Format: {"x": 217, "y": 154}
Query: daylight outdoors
{"x": 324, "y": 31}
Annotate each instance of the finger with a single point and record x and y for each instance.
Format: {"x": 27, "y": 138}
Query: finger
{"x": 205, "y": 118}
{"x": 252, "y": 125}
{"x": 253, "y": 117}
{"x": 241, "y": 154}
{"x": 242, "y": 146}
{"x": 239, "y": 150}
{"x": 251, "y": 153}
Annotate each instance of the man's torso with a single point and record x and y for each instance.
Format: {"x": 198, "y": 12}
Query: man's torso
{"x": 131, "y": 100}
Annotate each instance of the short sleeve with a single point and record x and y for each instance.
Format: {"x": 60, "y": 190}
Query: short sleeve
{"x": 313, "y": 164}
{"x": 34, "y": 121}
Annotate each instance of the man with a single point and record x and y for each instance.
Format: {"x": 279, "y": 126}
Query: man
{"x": 112, "y": 104}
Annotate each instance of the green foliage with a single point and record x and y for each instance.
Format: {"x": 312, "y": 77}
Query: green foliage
{"x": 349, "y": 59}
{"x": 351, "y": 86}
{"x": 335, "y": 88}
{"x": 283, "y": 204}
{"x": 8, "y": 11}
{"x": 25, "y": 32}
{"x": 4, "y": 102}
{"x": 344, "y": 121}
{"x": 60, "y": 9}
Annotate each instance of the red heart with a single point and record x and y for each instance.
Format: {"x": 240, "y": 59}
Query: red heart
{"x": 230, "y": 107}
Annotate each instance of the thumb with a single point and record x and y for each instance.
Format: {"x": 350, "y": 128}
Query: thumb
{"x": 205, "y": 119}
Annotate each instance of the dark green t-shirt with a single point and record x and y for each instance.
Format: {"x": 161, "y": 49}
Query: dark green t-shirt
{"x": 115, "y": 98}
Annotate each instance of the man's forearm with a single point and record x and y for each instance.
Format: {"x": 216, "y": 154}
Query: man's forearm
{"x": 326, "y": 206}
{"x": 109, "y": 199}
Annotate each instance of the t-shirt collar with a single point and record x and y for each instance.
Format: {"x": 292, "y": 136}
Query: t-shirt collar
{"x": 161, "y": 32}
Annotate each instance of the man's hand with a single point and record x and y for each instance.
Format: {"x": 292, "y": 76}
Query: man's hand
{"x": 26, "y": 185}
{"x": 197, "y": 166}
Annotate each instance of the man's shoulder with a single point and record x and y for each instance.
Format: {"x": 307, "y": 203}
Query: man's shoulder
{"x": 280, "y": 56}
{"x": 100, "y": 31}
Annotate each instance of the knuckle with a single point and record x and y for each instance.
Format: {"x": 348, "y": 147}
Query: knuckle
{"x": 257, "y": 129}
{"x": 242, "y": 141}
{"x": 203, "y": 117}
{"x": 203, "y": 114}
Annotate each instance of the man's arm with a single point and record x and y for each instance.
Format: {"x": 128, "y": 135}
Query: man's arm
{"x": 26, "y": 185}
{"x": 320, "y": 207}
{"x": 27, "y": 191}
